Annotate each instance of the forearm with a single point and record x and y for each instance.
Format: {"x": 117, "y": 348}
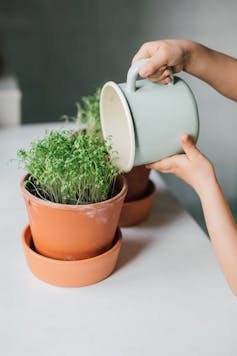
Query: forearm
{"x": 215, "y": 68}
{"x": 222, "y": 229}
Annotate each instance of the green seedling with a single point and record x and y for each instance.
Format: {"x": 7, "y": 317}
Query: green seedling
{"x": 70, "y": 167}
{"x": 88, "y": 113}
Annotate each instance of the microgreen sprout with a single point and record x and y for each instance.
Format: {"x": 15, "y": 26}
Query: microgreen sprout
{"x": 88, "y": 113}
{"x": 70, "y": 168}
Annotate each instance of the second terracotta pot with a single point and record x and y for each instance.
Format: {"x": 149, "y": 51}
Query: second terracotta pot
{"x": 136, "y": 211}
{"x": 73, "y": 232}
{"x": 137, "y": 180}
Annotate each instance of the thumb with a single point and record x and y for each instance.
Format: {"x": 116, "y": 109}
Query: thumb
{"x": 189, "y": 147}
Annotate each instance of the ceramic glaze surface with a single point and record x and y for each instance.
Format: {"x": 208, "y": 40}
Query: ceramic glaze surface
{"x": 146, "y": 120}
{"x": 161, "y": 114}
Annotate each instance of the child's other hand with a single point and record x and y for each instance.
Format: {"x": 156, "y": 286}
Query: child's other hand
{"x": 192, "y": 166}
{"x": 165, "y": 57}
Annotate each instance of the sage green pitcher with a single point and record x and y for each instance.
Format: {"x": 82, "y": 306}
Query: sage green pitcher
{"x": 145, "y": 120}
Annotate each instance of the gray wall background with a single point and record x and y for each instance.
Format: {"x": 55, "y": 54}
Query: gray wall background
{"x": 61, "y": 50}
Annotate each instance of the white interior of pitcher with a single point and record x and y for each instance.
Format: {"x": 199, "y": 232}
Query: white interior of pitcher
{"x": 116, "y": 122}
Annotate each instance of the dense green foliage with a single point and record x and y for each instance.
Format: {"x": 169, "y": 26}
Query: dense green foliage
{"x": 88, "y": 112}
{"x": 69, "y": 168}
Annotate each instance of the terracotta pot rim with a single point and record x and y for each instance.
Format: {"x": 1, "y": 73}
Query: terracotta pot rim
{"x": 48, "y": 203}
{"x": 116, "y": 245}
{"x": 151, "y": 191}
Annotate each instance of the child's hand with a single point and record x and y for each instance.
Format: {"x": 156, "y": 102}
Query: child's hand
{"x": 173, "y": 56}
{"x": 166, "y": 57}
{"x": 192, "y": 166}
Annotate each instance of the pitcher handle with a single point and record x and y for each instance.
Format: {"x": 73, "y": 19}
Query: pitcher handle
{"x": 133, "y": 73}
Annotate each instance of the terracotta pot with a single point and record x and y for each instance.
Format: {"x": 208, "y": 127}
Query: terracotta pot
{"x": 73, "y": 232}
{"x": 71, "y": 273}
{"x": 134, "y": 212}
{"x": 137, "y": 180}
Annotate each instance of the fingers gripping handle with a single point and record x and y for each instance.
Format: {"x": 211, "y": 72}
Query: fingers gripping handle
{"x": 133, "y": 73}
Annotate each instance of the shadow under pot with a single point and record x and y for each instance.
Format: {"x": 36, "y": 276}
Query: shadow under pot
{"x": 73, "y": 232}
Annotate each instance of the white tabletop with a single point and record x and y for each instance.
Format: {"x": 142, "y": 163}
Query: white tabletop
{"x": 167, "y": 295}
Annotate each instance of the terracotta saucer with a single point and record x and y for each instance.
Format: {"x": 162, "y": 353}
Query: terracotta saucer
{"x": 134, "y": 212}
{"x": 71, "y": 273}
